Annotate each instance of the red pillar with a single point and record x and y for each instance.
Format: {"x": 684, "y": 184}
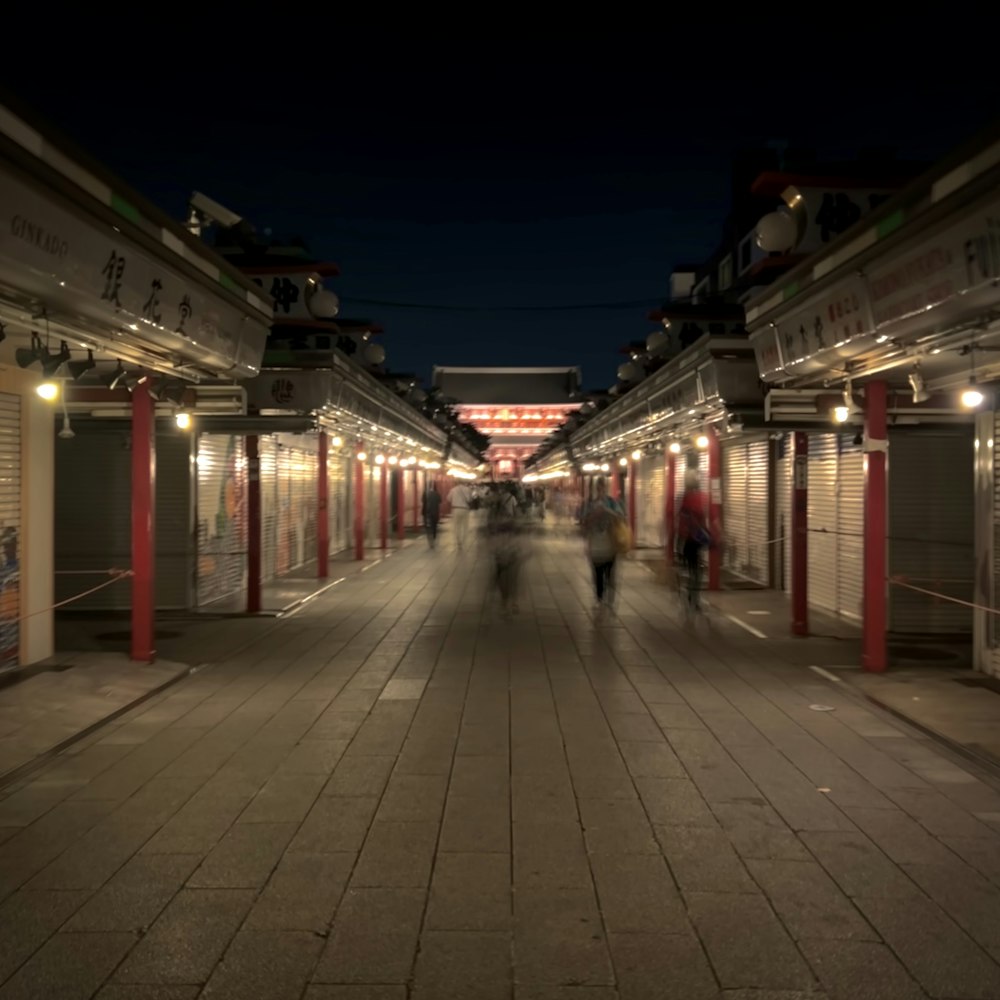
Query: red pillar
{"x": 715, "y": 509}
{"x": 670, "y": 514}
{"x": 359, "y": 507}
{"x": 400, "y": 504}
{"x": 322, "y": 511}
{"x": 873, "y": 649}
{"x": 251, "y": 444}
{"x": 631, "y": 495}
{"x": 383, "y": 505}
{"x": 800, "y": 533}
{"x": 416, "y": 498}
{"x": 143, "y": 523}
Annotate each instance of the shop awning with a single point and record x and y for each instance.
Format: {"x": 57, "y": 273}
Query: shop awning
{"x": 85, "y": 259}
{"x": 712, "y": 381}
{"x": 917, "y": 280}
{"x": 350, "y": 401}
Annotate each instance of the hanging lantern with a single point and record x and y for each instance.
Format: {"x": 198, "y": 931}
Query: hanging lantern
{"x": 629, "y": 372}
{"x": 657, "y": 341}
{"x": 374, "y": 354}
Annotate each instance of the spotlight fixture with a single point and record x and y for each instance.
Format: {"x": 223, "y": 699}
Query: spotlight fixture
{"x": 362, "y": 456}
{"x": 51, "y": 363}
{"x": 675, "y": 448}
{"x": 851, "y": 406}
{"x": 111, "y": 379}
{"x": 702, "y": 441}
{"x": 27, "y": 356}
{"x": 636, "y": 455}
{"x": 841, "y": 414}
{"x": 917, "y": 384}
{"x": 971, "y": 398}
{"x": 77, "y": 368}
{"x": 337, "y": 442}
{"x": 47, "y": 390}
{"x": 183, "y": 420}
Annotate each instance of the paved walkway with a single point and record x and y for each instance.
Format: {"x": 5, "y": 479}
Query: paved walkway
{"x": 395, "y": 793}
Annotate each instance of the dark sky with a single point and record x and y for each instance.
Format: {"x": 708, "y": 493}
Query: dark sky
{"x": 568, "y": 172}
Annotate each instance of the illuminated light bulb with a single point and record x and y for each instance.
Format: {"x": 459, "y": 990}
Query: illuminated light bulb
{"x": 702, "y": 441}
{"x": 623, "y": 461}
{"x": 840, "y": 414}
{"x": 636, "y": 455}
{"x": 393, "y": 460}
{"x": 605, "y": 467}
{"x": 47, "y": 390}
{"x": 972, "y": 398}
{"x": 675, "y": 448}
{"x": 380, "y": 459}
{"x": 183, "y": 420}
{"x": 336, "y": 441}
{"x": 362, "y": 457}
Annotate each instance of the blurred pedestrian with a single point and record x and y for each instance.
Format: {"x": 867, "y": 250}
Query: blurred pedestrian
{"x": 460, "y": 498}
{"x": 601, "y": 522}
{"x": 432, "y": 514}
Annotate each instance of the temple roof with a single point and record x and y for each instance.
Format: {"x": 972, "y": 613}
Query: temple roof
{"x": 508, "y": 386}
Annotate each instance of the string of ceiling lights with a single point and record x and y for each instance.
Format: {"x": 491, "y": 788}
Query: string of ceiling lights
{"x": 52, "y": 364}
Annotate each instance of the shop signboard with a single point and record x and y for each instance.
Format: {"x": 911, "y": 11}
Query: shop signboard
{"x": 295, "y": 391}
{"x": 825, "y": 330}
{"x": 81, "y": 266}
{"x": 960, "y": 264}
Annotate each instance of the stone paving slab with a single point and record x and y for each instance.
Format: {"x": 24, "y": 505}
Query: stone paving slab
{"x": 397, "y": 794}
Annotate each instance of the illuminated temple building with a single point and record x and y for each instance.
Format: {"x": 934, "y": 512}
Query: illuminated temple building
{"x": 517, "y": 408}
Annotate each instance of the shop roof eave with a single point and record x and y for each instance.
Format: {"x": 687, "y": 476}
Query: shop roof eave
{"x": 963, "y": 168}
{"x": 25, "y": 135}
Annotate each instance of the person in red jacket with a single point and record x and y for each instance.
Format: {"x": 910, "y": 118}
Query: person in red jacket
{"x": 693, "y": 533}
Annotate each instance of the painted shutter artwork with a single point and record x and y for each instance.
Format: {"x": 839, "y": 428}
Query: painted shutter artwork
{"x": 10, "y": 530}
{"x": 221, "y": 527}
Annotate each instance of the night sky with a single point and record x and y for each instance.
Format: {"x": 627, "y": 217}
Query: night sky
{"x": 470, "y": 177}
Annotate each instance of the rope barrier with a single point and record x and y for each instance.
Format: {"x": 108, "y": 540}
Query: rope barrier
{"x": 119, "y": 574}
{"x": 899, "y": 581}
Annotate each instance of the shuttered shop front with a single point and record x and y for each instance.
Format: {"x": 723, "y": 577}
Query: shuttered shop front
{"x": 745, "y": 486}
{"x": 10, "y": 526}
{"x": 836, "y": 524}
{"x": 337, "y": 502}
{"x": 783, "y": 515}
{"x": 931, "y": 526}
{"x": 650, "y": 501}
{"x": 222, "y": 516}
{"x": 93, "y": 515}
{"x": 289, "y": 503}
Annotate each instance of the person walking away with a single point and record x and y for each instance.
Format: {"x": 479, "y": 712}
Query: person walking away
{"x": 694, "y": 535}
{"x": 460, "y": 498}
{"x": 432, "y": 514}
{"x": 598, "y": 524}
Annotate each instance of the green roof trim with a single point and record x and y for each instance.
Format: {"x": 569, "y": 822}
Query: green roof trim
{"x": 790, "y": 292}
{"x": 124, "y": 208}
{"x": 228, "y": 282}
{"x": 889, "y": 224}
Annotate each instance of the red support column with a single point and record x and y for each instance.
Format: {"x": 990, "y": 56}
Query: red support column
{"x": 800, "y": 533}
{"x": 670, "y": 514}
{"x": 416, "y": 499}
{"x": 359, "y": 505}
{"x": 631, "y": 495}
{"x": 715, "y": 509}
{"x": 383, "y": 505}
{"x": 873, "y": 648}
{"x": 143, "y": 523}
{"x": 322, "y": 511}
{"x": 400, "y": 504}
{"x": 251, "y": 444}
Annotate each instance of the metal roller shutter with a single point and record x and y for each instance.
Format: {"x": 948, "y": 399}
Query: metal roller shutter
{"x": 745, "y": 509}
{"x": 221, "y": 517}
{"x": 851, "y": 527}
{"x": 294, "y": 505}
{"x": 10, "y": 527}
{"x": 650, "y": 502}
{"x": 931, "y": 528}
{"x": 93, "y": 515}
{"x": 734, "y": 507}
{"x": 758, "y": 503}
{"x": 337, "y": 465}
{"x": 269, "y": 488}
{"x": 783, "y": 514}
{"x": 822, "y": 520}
